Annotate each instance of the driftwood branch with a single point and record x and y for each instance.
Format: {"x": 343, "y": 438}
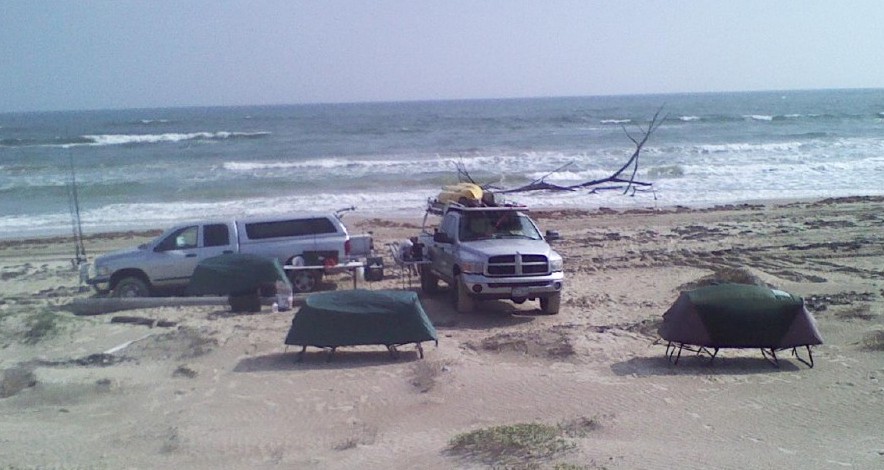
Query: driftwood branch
{"x": 143, "y": 321}
{"x": 540, "y": 184}
{"x": 463, "y": 174}
{"x": 633, "y": 160}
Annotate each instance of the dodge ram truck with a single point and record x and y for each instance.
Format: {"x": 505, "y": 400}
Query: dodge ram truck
{"x": 490, "y": 253}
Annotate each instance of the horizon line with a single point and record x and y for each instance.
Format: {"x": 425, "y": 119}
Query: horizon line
{"x": 435, "y": 100}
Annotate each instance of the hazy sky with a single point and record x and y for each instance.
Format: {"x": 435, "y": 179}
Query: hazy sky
{"x": 57, "y": 55}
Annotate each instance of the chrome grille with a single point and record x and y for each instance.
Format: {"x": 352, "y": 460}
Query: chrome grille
{"x": 517, "y": 265}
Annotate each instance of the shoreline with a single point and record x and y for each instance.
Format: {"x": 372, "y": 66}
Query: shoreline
{"x": 360, "y": 218}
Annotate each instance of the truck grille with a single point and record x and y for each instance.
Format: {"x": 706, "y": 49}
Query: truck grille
{"x": 518, "y": 265}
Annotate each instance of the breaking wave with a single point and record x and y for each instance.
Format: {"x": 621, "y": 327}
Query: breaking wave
{"x": 124, "y": 139}
{"x": 129, "y": 139}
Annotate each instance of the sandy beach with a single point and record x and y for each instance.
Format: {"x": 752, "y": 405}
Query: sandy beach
{"x": 220, "y": 390}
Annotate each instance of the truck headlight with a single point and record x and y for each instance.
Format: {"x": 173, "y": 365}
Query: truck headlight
{"x": 556, "y": 264}
{"x": 101, "y": 271}
{"x": 476, "y": 267}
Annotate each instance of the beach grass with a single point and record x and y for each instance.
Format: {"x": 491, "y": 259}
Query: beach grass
{"x": 44, "y": 324}
{"x": 874, "y": 341}
{"x": 522, "y": 444}
{"x": 857, "y": 312}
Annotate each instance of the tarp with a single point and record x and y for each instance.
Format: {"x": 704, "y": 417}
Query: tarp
{"x": 360, "y": 317}
{"x": 234, "y": 274}
{"x": 739, "y": 316}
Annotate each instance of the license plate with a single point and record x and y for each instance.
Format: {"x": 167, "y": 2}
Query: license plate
{"x": 520, "y": 292}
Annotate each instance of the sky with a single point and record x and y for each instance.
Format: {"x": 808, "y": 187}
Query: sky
{"x": 88, "y": 54}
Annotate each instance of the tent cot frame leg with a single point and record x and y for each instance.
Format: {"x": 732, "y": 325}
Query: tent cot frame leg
{"x": 771, "y": 356}
{"x": 809, "y": 360}
{"x": 670, "y": 351}
{"x": 711, "y": 355}
{"x": 301, "y": 354}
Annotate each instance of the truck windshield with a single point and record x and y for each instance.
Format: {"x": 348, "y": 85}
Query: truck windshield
{"x": 491, "y": 224}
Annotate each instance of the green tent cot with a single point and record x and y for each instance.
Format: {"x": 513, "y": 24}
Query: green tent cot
{"x": 239, "y": 276}
{"x": 738, "y": 316}
{"x": 361, "y": 317}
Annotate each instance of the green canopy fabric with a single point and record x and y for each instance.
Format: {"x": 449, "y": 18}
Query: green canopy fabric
{"x": 234, "y": 274}
{"x": 360, "y": 317}
{"x": 739, "y": 316}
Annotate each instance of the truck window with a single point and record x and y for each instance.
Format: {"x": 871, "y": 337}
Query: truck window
{"x": 216, "y": 235}
{"x": 449, "y": 226}
{"x": 289, "y": 228}
{"x": 485, "y": 225}
{"x": 181, "y": 239}
{"x": 476, "y": 226}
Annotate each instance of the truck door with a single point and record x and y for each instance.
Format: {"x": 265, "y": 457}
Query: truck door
{"x": 443, "y": 254}
{"x": 175, "y": 257}
{"x": 217, "y": 240}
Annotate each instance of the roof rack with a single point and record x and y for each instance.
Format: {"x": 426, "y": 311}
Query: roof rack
{"x": 439, "y": 208}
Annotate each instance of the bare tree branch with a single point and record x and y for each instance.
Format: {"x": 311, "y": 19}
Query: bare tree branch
{"x": 540, "y": 184}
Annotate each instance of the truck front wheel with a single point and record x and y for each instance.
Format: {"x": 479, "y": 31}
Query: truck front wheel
{"x": 429, "y": 281}
{"x": 303, "y": 280}
{"x": 131, "y": 287}
{"x": 463, "y": 302}
{"x": 550, "y": 305}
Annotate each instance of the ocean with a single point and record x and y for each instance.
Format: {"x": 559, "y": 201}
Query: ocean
{"x": 136, "y": 169}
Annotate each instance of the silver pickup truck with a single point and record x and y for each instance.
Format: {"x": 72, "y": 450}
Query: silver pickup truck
{"x": 491, "y": 253}
{"x": 167, "y": 262}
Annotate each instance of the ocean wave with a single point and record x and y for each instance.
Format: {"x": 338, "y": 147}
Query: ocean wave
{"x": 508, "y": 170}
{"x": 570, "y": 177}
{"x": 54, "y": 142}
{"x": 127, "y": 139}
{"x": 124, "y": 139}
{"x": 14, "y": 142}
{"x": 570, "y": 119}
{"x": 411, "y": 164}
{"x": 667, "y": 171}
{"x": 744, "y": 147}
{"x": 808, "y": 116}
{"x": 751, "y": 117}
{"x": 811, "y": 135}
{"x": 322, "y": 163}
{"x": 774, "y": 117}
{"x": 615, "y": 121}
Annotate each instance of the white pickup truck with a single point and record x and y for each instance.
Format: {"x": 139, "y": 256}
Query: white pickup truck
{"x": 491, "y": 253}
{"x": 167, "y": 262}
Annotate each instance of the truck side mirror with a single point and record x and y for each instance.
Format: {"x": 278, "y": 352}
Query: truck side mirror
{"x": 553, "y": 235}
{"x": 441, "y": 237}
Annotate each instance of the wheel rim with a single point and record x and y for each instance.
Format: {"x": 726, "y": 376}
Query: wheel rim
{"x": 428, "y": 280}
{"x": 303, "y": 282}
{"x": 462, "y": 300}
{"x": 129, "y": 290}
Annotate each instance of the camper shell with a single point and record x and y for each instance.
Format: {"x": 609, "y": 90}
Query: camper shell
{"x": 167, "y": 262}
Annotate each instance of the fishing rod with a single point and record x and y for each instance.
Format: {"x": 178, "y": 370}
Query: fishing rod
{"x": 79, "y": 260}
